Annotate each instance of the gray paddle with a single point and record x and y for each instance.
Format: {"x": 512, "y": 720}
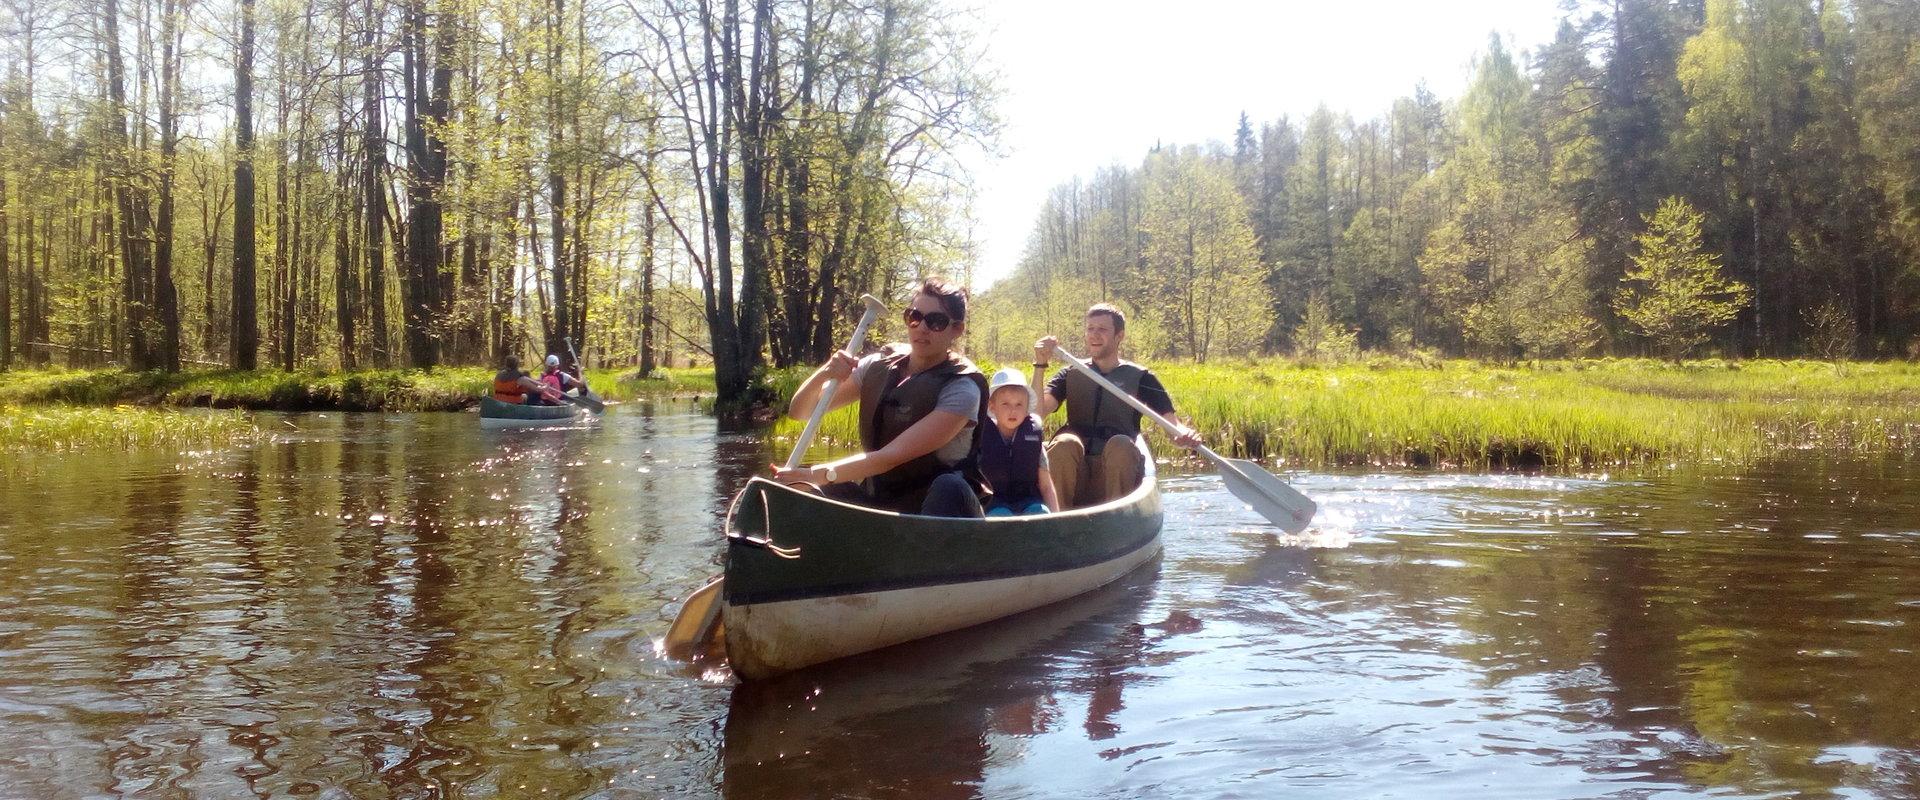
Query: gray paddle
{"x": 874, "y": 309}
{"x": 1269, "y": 496}
{"x": 587, "y": 398}
{"x": 700, "y": 612}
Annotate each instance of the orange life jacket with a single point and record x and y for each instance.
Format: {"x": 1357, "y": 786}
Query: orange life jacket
{"x": 509, "y": 391}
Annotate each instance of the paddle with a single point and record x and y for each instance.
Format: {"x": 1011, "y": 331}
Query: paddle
{"x": 1269, "y": 496}
{"x": 700, "y": 612}
{"x": 587, "y": 398}
{"x": 874, "y": 309}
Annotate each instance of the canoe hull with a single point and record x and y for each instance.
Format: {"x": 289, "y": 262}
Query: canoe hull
{"x": 495, "y": 414}
{"x": 868, "y": 579}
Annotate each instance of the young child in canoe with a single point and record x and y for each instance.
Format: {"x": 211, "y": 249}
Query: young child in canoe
{"x": 1012, "y": 458}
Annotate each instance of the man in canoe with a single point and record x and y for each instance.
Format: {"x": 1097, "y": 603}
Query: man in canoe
{"x": 510, "y": 385}
{"x": 1093, "y": 457}
{"x": 920, "y": 410}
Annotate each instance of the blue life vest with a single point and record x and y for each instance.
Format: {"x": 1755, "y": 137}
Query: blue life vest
{"x": 1011, "y": 467}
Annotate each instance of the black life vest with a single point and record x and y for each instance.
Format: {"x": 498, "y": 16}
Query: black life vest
{"x": 1094, "y": 415}
{"x": 889, "y": 406}
{"x": 1011, "y": 468}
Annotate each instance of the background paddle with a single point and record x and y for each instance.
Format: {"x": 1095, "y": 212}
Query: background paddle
{"x": 699, "y": 614}
{"x": 1269, "y": 496}
{"x": 587, "y": 398}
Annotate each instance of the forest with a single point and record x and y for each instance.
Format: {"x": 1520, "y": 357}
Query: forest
{"x": 346, "y": 184}
{"x": 373, "y": 183}
{"x": 1734, "y": 177}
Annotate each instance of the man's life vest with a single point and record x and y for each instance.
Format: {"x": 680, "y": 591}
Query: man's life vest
{"x": 1094, "y": 415}
{"x": 889, "y": 406}
{"x": 553, "y": 379}
{"x": 1012, "y": 467}
{"x": 508, "y": 390}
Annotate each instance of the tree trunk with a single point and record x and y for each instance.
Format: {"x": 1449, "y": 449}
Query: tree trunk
{"x": 245, "y": 336}
{"x": 166, "y": 299}
{"x": 134, "y": 222}
{"x": 373, "y": 145}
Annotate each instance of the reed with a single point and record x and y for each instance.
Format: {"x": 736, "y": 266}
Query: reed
{"x": 64, "y": 428}
{"x": 442, "y": 389}
{"x": 1562, "y": 415}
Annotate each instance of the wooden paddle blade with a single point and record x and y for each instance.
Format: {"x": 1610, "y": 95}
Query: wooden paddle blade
{"x": 592, "y": 403}
{"x": 1269, "y": 496}
{"x": 693, "y": 627}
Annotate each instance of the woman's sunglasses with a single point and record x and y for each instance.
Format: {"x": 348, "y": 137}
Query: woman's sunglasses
{"x": 936, "y": 321}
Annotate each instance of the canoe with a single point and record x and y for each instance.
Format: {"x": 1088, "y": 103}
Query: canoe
{"x": 495, "y": 414}
{"x": 810, "y": 579}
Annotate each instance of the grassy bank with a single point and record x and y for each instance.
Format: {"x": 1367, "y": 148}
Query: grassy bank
{"x": 57, "y": 428}
{"x": 446, "y": 389}
{"x": 1555, "y": 415}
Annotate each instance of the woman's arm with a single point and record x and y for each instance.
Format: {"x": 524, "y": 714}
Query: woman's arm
{"x": 925, "y": 436}
{"x": 1048, "y": 494}
{"x": 840, "y": 368}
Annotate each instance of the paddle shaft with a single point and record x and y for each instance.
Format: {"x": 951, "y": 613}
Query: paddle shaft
{"x": 1280, "y": 504}
{"x": 1089, "y": 371}
{"x": 794, "y": 458}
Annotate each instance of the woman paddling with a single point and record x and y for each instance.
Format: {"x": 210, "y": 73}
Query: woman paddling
{"x": 920, "y": 408}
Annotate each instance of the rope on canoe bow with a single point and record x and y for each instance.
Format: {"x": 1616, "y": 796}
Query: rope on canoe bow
{"x": 765, "y": 539}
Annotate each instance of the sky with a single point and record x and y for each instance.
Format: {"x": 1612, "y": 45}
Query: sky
{"x": 1091, "y": 83}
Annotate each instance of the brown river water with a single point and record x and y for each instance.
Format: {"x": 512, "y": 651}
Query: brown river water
{"x": 406, "y": 606}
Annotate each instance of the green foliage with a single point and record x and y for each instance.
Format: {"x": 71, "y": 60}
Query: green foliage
{"x": 1675, "y": 293}
{"x": 1320, "y": 337}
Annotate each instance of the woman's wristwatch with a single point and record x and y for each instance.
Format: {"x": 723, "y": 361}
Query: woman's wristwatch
{"x": 833, "y": 475}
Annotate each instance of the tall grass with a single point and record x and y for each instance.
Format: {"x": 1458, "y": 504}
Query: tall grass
{"x": 1552, "y": 415}
{"x": 442, "y": 389}
{"x": 54, "y": 428}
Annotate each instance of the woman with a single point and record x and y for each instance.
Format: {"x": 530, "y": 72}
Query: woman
{"x": 510, "y": 385}
{"x": 920, "y": 409}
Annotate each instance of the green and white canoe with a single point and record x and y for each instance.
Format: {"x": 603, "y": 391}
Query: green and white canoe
{"x": 847, "y": 579}
{"x": 495, "y": 414}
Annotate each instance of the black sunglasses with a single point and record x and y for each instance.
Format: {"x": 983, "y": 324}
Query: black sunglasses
{"x": 936, "y": 321}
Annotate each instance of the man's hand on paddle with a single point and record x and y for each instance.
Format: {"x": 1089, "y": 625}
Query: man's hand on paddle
{"x": 1043, "y": 349}
{"x": 1188, "y": 438}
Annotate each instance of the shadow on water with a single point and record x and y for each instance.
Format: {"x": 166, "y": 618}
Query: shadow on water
{"x": 917, "y": 720}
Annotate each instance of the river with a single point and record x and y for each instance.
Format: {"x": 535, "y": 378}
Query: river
{"x": 406, "y": 606}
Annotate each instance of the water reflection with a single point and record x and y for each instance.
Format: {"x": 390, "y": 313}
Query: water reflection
{"x": 406, "y": 606}
{"x": 926, "y": 718}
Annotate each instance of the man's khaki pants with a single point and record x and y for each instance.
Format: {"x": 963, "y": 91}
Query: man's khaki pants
{"x": 1084, "y": 480}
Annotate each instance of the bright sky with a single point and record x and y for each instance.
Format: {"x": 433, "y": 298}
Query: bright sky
{"x": 1089, "y": 83}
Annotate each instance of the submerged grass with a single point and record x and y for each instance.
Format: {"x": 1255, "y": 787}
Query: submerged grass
{"x": 58, "y": 428}
{"x": 443, "y": 389}
{"x": 1560, "y": 415}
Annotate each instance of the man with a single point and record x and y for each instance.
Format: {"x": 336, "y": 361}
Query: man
{"x": 1093, "y": 457}
{"x": 510, "y": 385}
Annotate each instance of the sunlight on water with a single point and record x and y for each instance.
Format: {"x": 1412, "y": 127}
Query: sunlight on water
{"x": 407, "y": 606}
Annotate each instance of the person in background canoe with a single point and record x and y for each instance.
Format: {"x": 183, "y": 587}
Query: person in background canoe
{"x": 920, "y": 410}
{"x": 510, "y": 385}
{"x": 1012, "y": 458}
{"x": 1093, "y": 458}
{"x": 558, "y": 379}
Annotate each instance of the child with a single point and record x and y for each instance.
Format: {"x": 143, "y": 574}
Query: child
{"x": 1011, "y": 456}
